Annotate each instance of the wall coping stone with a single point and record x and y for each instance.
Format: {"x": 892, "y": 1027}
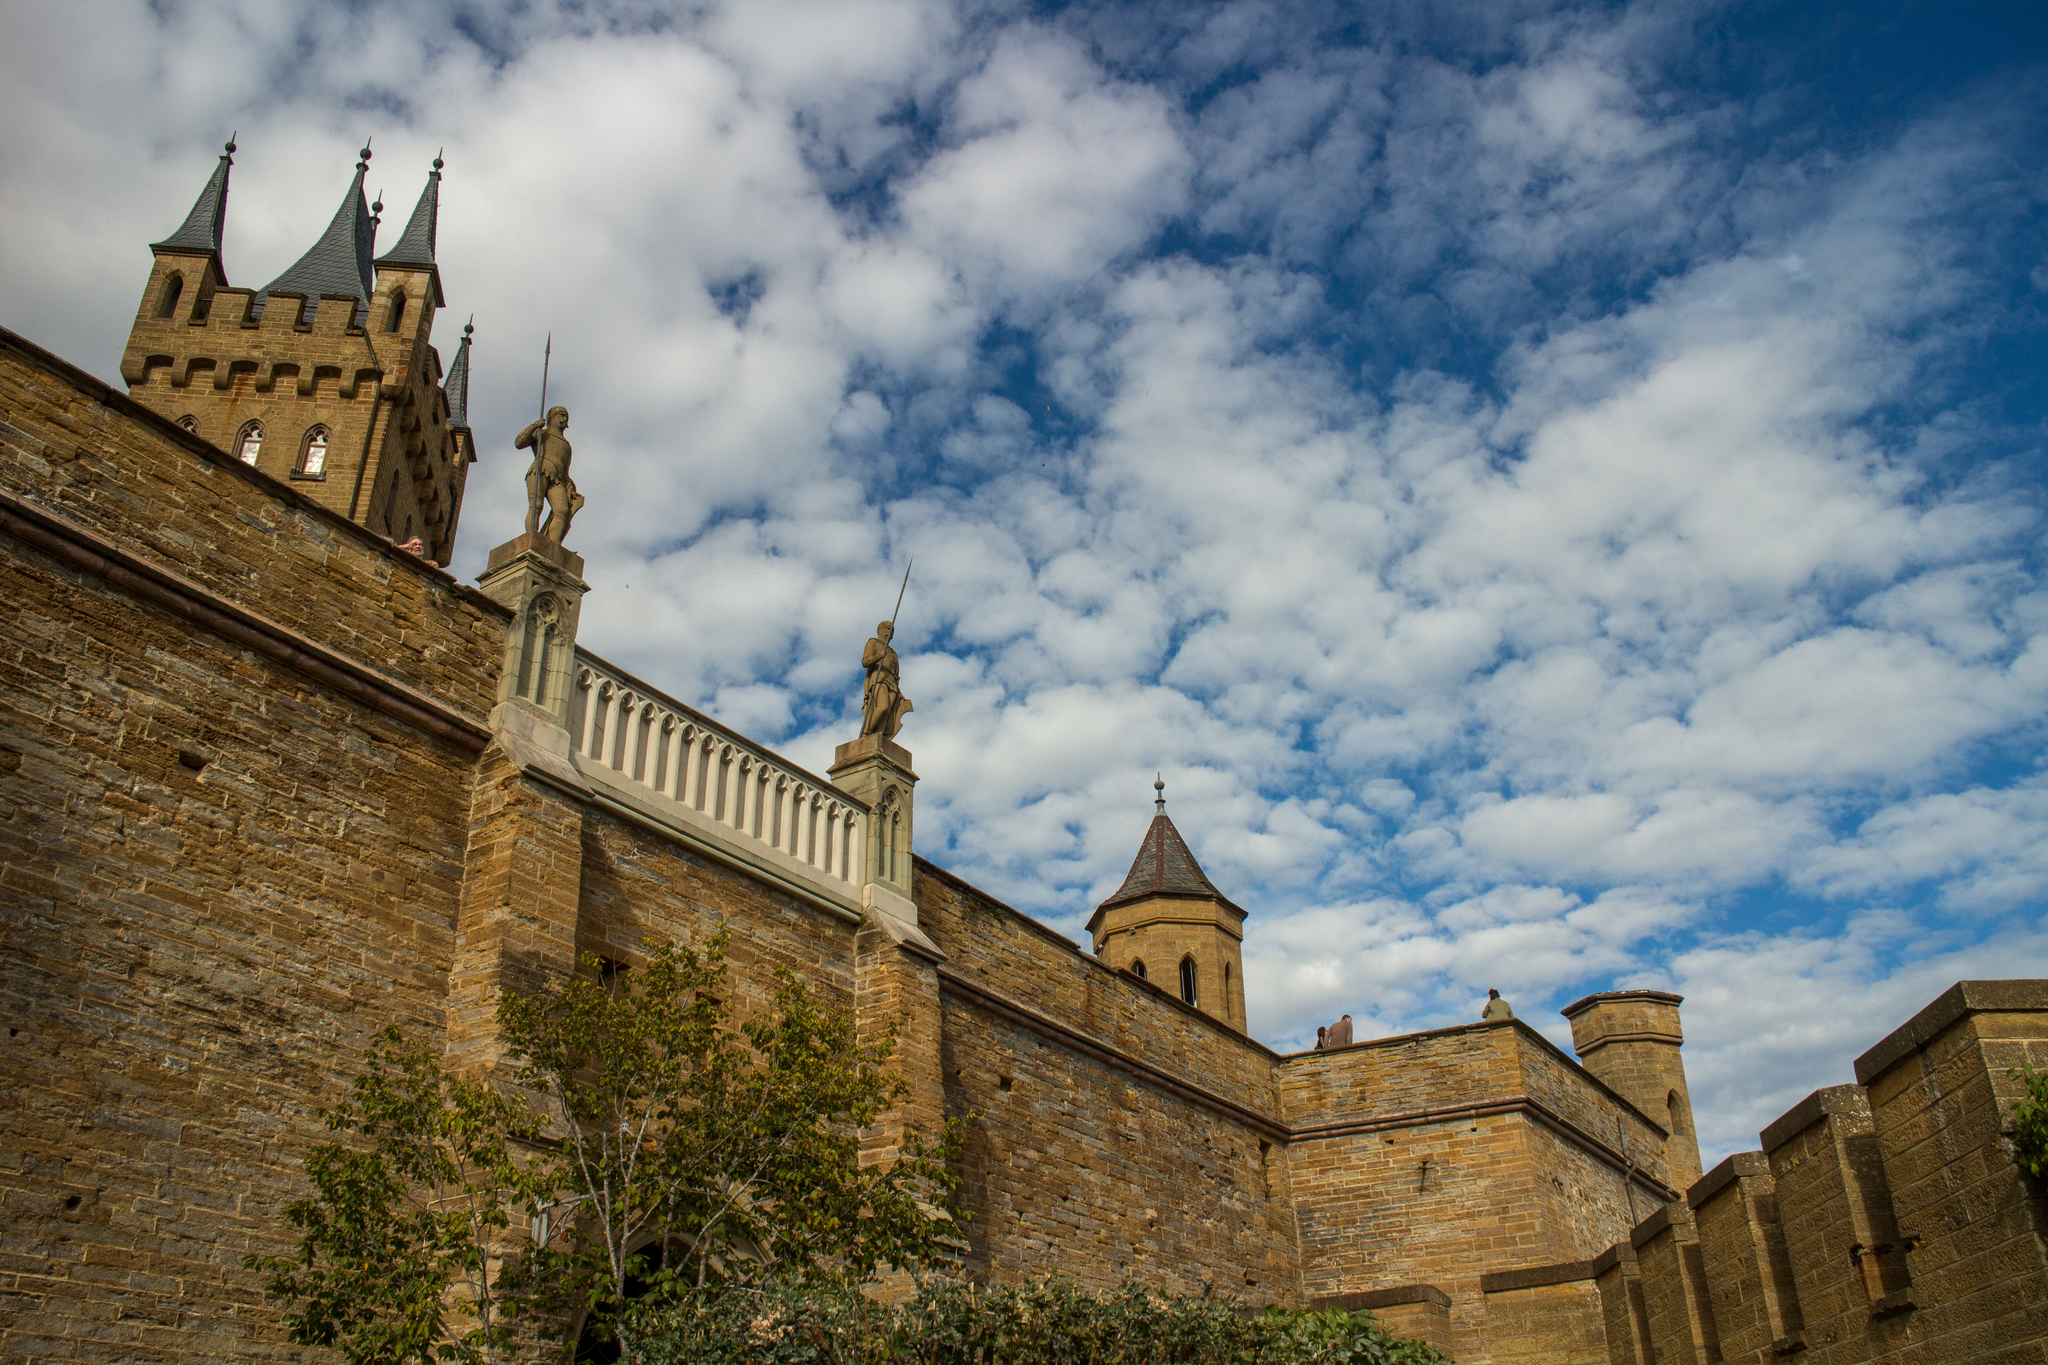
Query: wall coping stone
{"x": 1620, "y": 1254}
{"x": 1833, "y": 1099}
{"x": 1578, "y": 1007}
{"x": 1382, "y": 1298}
{"x": 1731, "y": 1169}
{"x": 1537, "y": 1276}
{"x": 2024, "y": 995}
{"x": 1674, "y": 1216}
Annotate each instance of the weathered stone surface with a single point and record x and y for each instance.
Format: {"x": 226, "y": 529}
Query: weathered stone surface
{"x": 257, "y": 804}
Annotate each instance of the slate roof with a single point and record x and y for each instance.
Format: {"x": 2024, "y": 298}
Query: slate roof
{"x": 1164, "y": 867}
{"x": 415, "y": 249}
{"x": 457, "y": 383}
{"x": 202, "y": 228}
{"x": 339, "y": 262}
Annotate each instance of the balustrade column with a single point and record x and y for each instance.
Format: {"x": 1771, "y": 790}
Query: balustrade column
{"x": 594, "y": 691}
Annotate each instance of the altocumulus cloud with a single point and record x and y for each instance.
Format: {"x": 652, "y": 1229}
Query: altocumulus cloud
{"x": 1558, "y": 520}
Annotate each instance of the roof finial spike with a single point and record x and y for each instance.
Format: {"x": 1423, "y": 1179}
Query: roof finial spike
{"x": 469, "y": 326}
{"x": 364, "y": 154}
{"x": 1159, "y": 785}
{"x": 377, "y": 211}
{"x": 438, "y": 163}
{"x": 230, "y": 149}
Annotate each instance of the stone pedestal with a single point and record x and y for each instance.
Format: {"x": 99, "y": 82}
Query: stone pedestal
{"x": 543, "y": 585}
{"x": 878, "y": 771}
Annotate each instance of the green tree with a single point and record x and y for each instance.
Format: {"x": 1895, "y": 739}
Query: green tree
{"x": 405, "y": 1215}
{"x": 674, "y": 1148}
{"x": 693, "y": 1151}
{"x": 2030, "y": 1124}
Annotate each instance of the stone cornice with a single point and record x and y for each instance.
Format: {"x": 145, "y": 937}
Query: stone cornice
{"x": 165, "y": 429}
{"x": 74, "y": 546}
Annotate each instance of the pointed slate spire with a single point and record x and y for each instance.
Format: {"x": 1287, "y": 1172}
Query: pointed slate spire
{"x": 202, "y": 229}
{"x": 457, "y": 385}
{"x": 1164, "y": 865}
{"x": 339, "y": 262}
{"x": 415, "y": 249}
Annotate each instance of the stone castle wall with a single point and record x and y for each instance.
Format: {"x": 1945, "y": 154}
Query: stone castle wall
{"x": 1118, "y": 1132}
{"x": 219, "y": 873}
{"x": 1883, "y": 1223}
{"x": 258, "y": 805}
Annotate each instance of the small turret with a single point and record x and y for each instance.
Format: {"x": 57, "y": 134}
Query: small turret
{"x": 187, "y": 268}
{"x": 1631, "y": 1041}
{"x": 415, "y": 249}
{"x": 1169, "y": 924}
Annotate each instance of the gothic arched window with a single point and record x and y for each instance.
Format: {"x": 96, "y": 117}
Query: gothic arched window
{"x": 397, "y": 310}
{"x": 174, "y": 287}
{"x": 249, "y": 445}
{"x": 1138, "y": 968}
{"x": 189, "y": 423}
{"x": 1187, "y": 979}
{"x": 313, "y": 454}
{"x": 1226, "y": 988}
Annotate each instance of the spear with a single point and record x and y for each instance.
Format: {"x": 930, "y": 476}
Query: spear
{"x": 546, "y": 358}
{"x": 899, "y": 594}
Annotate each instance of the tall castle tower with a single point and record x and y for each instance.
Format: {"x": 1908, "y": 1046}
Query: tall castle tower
{"x": 325, "y": 377}
{"x": 1169, "y": 924}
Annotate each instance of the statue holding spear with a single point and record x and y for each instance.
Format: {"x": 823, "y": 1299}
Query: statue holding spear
{"x": 882, "y": 704}
{"x": 547, "y": 482}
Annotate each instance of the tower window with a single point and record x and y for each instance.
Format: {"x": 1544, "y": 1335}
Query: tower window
{"x": 249, "y": 444}
{"x": 313, "y": 455}
{"x": 1138, "y": 968}
{"x": 1226, "y": 988}
{"x": 174, "y": 287}
{"x": 1187, "y": 980}
{"x": 397, "y": 311}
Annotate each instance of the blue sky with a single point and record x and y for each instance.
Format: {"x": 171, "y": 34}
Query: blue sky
{"x": 1557, "y": 490}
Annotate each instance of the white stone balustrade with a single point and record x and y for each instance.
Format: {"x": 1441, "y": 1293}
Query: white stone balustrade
{"x": 687, "y": 767}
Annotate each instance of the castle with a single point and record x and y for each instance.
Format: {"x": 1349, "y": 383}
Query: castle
{"x": 273, "y": 779}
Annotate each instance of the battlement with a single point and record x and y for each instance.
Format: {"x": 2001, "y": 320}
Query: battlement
{"x": 1881, "y": 1223}
{"x": 326, "y": 377}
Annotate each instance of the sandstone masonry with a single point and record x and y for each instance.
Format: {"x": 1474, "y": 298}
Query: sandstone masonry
{"x": 270, "y": 783}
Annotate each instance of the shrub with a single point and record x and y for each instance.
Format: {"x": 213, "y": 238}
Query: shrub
{"x": 1049, "y": 1322}
{"x": 2030, "y": 1124}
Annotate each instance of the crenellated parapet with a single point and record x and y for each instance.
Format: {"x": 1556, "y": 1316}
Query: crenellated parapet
{"x": 1882, "y": 1223}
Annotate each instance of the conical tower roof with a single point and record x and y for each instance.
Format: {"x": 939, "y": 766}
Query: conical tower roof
{"x": 415, "y": 249}
{"x": 339, "y": 262}
{"x": 457, "y": 385}
{"x": 1164, "y": 866}
{"x": 204, "y": 226}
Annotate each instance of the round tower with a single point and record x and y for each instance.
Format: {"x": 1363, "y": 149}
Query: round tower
{"x": 1630, "y": 1040}
{"x": 1169, "y": 924}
